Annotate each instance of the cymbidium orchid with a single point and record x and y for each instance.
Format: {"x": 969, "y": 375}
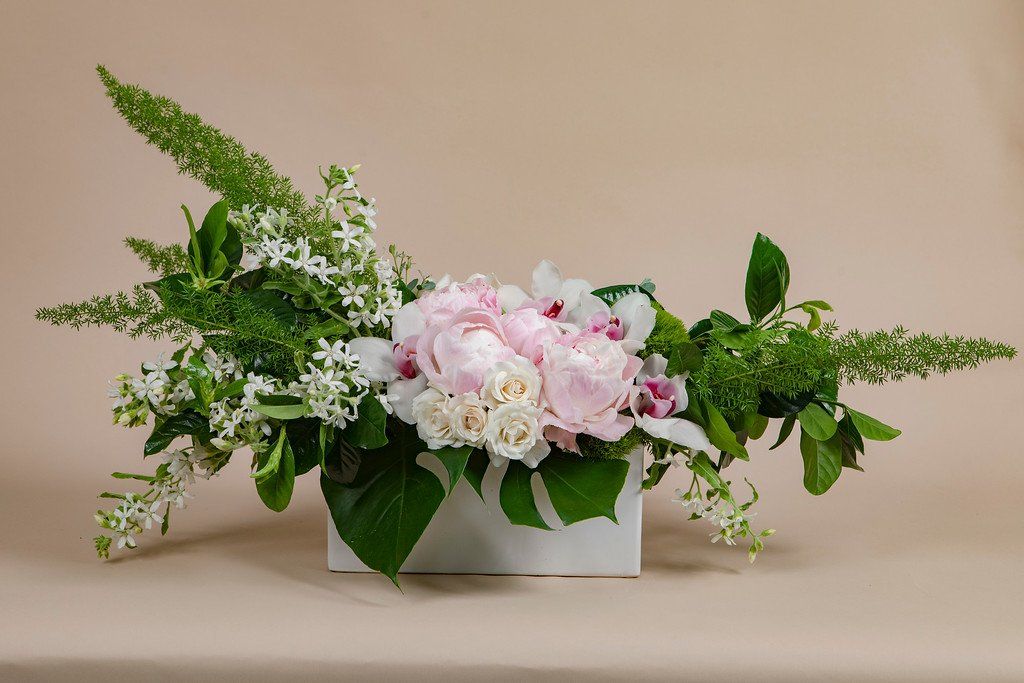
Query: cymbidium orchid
{"x": 656, "y": 398}
{"x": 553, "y": 296}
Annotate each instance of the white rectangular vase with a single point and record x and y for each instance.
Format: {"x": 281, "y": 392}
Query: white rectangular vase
{"x": 468, "y": 537}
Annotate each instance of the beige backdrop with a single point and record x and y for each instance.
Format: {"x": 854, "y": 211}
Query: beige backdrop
{"x": 880, "y": 144}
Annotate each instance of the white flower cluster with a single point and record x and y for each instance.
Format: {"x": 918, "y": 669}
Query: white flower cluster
{"x": 135, "y": 397}
{"x": 363, "y": 284}
{"x": 233, "y": 419}
{"x": 139, "y": 512}
{"x": 334, "y": 388}
{"x": 503, "y": 418}
{"x": 728, "y": 518}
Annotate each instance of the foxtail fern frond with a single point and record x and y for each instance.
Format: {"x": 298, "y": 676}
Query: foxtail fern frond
{"x": 213, "y": 158}
{"x": 883, "y": 356}
{"x": 161, "y": 259}
{"x": 138, "y": 314}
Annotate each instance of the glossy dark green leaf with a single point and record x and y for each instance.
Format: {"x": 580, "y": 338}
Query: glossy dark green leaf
{"x": 454, "y": 460}
{"x": 188, "y": 422}
{"x": 304, "y": 438}
{"x": 872, "y": 429}
{"x": 615, "y": 292}
{"x": 773, "y": 405}
{"x": 655, "y": 473}
{"x": 720, "y": 320}
{"x": 341, "y": 461}
{"x": 767, "y": 278}
{"x": 784, "y": 431}
{"x": 700, "y": 328}
{"x": 368, "y": 430}
{"x": 228, "y": 390}
{"x": 720, "y": 434}
{"x": 823, "y": 462}
{"x": 384, "y": 511}
{"x": 213, "y": 232}
{"x": 817, "y": 422}
{"x": 685, "y": 357}
{"x": 276, "y": 488}
{"x": 702, "y": 466}
{"x": 270, "y": 460}
{"x": 476, "y": 468}
{"x": 270, "y": 303}
{"x": 516, "y": 497}
{"x": 580, "y": 488}
{"x": 849, "y": 430}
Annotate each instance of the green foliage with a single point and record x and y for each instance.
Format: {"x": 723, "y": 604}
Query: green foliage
{"x": 767, "y": 278}
{"x": 137, "y": 314}
{"x": 593, "y": 447}
{"x": 385, "y": 509}
{"x": 215, "y": 159}
{"x": 669, "y": 331}
{"x": 161, "y": 259}
{"x": 884, "y": 356}
{"x": 582, "y": 489}
{"x": 517, "y": 499}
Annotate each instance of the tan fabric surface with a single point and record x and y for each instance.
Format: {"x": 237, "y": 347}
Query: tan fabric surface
{"x": 879, "y": 143}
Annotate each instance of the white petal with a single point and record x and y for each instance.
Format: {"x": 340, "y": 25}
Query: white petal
{"x": 401, "y": 392}
{"x": 408, "y": 321}
{"x": 677, "y": 430}
{"x": 547, "y": 280}
{"x": 572, "y": 292}
{"x": 654, "y": 365}
{"x": 589, "y": 305}
{"x": 376, "y": 359}
{"x": 540, "y": 450}
{"x": 637, "y": 315}
{"x": 511, "y": 297}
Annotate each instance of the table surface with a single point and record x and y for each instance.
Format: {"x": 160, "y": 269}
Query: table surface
{"x": 922, "y": 584}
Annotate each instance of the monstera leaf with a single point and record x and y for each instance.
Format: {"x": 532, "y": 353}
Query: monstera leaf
{"x": 384, "y": 510}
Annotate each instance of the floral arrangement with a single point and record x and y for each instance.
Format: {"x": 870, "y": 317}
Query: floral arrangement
{"x": 301, "y": 343}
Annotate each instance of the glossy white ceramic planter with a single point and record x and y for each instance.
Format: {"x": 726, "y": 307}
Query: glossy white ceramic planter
{"x": 467, "y": 537}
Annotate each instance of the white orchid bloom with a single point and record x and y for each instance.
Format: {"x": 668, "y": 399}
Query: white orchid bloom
{"x": 630, "y": 320}
{"x": 553, "y": 296}
{"x": 655, "y": 400}
{"x": 381, "y": 360}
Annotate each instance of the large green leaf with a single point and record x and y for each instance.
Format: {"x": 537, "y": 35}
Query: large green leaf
{"x": 872, "y": 429}
{"x": 384, "y": 511}
{"x": 304, "y": 438}
{"x": 767, "y": 278}
{"x": 454, "y": 460}
{"x": 188, "y": 422}
{"x": 581, "y": 488}
{"x": 685, "y": 357}
{"x": 368, "y": 430}
{"x": 784, "y": 431}
{"x": 516, "y": 497}
{"x": 817, "y": 422}
{"x": 720, "y": 434}
{"x": 774, "y": 405}
{"x": 475, "y": 470}
{"x": 822, "y": 462}
{"x": 276, "y": 488}
{"x": 214, "y": 231}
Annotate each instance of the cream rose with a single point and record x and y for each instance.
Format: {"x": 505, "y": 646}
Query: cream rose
{"x": 511, "y": 381}
{"x": 468, "y": 416}
{"x": 433, "y": 420}
{"x": 513, "y": 433}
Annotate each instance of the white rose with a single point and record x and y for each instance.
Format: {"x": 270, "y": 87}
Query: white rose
{"x": 511, "y": 381}
{"x": 433, "y": 423}
{"x": 468, "y": 416}
{"x": 513, "y": 434}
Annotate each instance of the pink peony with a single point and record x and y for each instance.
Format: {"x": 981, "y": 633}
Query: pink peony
{"x": 586, "y": 382}
{"x": 528, "y": 331}
{"x": 441, "y": 305}
{"x": 456, "y": 354}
